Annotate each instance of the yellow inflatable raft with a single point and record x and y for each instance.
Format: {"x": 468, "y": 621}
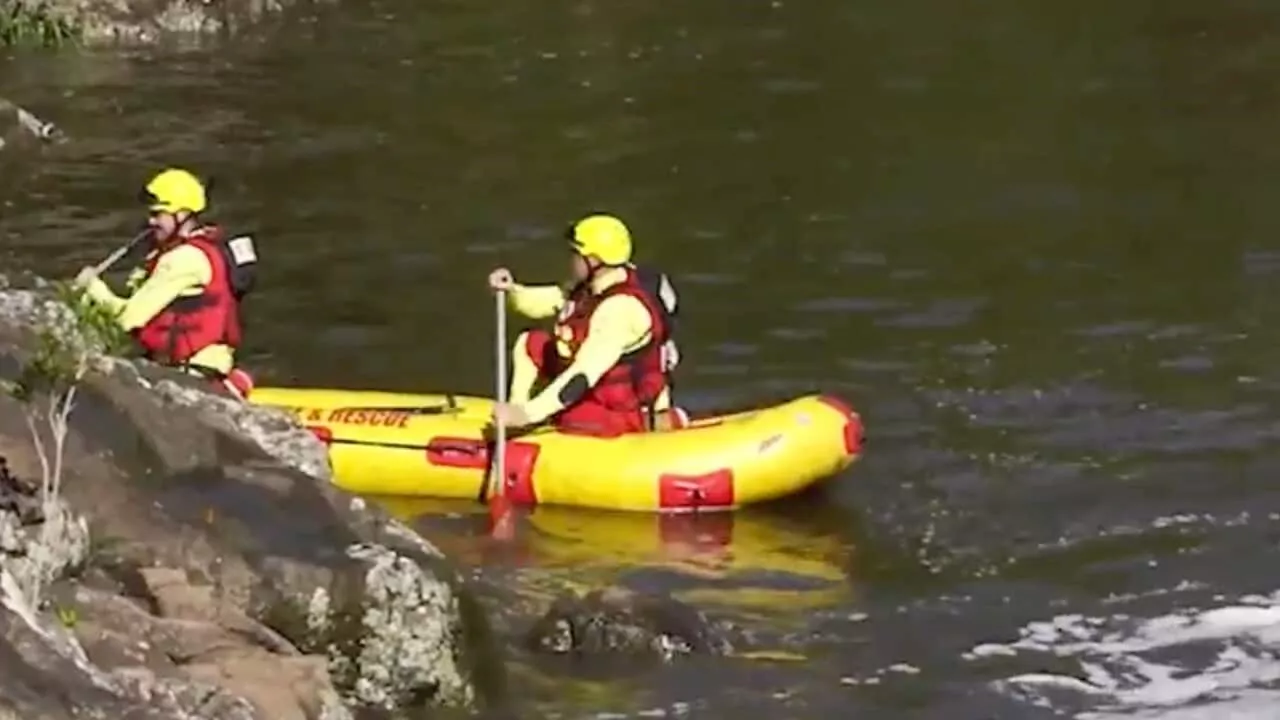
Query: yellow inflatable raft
{"x": 383, "y": 443}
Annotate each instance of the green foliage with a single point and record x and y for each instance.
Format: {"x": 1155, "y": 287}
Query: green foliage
{"x": 76, "y": 331}
{"x": 69, "y": 617}
{"x": 137, "y": 276}
{"x": 35, "y": 22}
{"x": 70, "y": 338}
{"x": 94, "y": 321}
{"x": 51, "y": 370}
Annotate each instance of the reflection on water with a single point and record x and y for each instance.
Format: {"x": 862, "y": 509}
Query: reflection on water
{"x": 752, "y": 563}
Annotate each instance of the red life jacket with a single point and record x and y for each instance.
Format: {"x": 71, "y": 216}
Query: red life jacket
{"x": 638, "y": 378}
{"x": 191, "y": 324}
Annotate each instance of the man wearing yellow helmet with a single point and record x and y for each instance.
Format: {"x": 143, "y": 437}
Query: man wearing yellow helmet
{"x": 607, "y": 362}
{"x": 185, "y": 311}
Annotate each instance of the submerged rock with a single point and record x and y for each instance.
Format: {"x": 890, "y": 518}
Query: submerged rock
{"x": 617, "y": 622}
{"x": 220, "y": 557}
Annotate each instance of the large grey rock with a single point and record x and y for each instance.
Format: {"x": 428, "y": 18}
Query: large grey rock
{"x": 235, "y": 500}
{"x": 47, "y": 674}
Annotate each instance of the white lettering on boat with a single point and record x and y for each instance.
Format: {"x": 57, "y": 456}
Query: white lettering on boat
{"x": 370, "y": 416}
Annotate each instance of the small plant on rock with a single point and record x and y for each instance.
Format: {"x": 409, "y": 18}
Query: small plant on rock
{"x": 69, "y": 617}
{"x": 70, "y": 336}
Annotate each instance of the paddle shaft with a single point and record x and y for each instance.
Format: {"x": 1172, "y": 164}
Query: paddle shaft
{"x": 120, "y": 252}
{"x": 500, "y": 355}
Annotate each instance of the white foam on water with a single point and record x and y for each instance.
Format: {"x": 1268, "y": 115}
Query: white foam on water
{"x": 1124, "y": 669}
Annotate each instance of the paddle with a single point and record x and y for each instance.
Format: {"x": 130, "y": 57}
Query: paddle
{"x": 500, "y": 515}
{"x": 120, "y": 252}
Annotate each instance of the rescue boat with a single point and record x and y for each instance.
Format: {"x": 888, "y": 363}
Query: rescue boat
{"x": 419, "y": 445}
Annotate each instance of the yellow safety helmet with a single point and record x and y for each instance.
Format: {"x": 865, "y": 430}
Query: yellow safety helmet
{"x": 175, "y": 190}
{"x": 604, "y": 236}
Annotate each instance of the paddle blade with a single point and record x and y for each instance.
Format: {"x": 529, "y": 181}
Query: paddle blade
{"x": 502, "y": 518}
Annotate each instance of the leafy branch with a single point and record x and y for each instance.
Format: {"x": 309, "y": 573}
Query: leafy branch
{"x": 70, "y": 336}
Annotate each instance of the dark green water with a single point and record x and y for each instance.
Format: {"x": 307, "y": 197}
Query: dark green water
{"x": 1031, "y": 245}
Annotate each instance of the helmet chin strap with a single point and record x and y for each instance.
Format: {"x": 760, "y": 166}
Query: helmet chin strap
{"x": 166, "y": 239}
{"x": 591, "y": 270}
{"x": 601, "y": 268}
{"x": 178, "y": 226}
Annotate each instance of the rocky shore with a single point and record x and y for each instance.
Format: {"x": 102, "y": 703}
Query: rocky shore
{"x": 194, "y": 562}
{"x": 95, "y": 22}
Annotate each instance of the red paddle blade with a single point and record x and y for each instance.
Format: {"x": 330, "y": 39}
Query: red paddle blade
{"x": 502, "y": 520}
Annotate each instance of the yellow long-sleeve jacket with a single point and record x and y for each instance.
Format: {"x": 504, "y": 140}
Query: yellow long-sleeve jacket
{"x": 619, "y": 325}
{"x": 183, "y": 271}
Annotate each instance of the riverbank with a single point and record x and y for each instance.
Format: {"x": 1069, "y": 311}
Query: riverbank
{"x": 59, "y": 22}
{"x": 172, "y": 550}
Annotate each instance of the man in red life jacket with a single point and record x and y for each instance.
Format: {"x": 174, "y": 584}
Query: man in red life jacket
{"x": 606, "y": 364}
{"x": 185, "y": 312}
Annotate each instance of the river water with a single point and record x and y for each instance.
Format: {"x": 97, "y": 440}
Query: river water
{"x": 1031, "y": 245}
